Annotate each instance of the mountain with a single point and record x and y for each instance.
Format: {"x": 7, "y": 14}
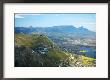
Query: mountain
{"x": 37, "y": 50}
{"x": 68, "y": 30}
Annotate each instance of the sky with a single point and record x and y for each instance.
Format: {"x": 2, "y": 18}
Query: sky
{"x": 87, "y": 20}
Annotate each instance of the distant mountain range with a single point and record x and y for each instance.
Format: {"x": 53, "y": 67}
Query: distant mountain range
{"x": 62, "y": 30}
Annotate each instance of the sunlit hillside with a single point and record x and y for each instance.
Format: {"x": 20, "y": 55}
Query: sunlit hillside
{"x": 37, "y": 50}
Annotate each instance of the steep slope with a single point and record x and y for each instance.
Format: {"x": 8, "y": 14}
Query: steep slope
{"x": 37, "y": 50}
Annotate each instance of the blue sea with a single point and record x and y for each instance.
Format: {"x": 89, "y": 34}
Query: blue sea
{"x": 88, "y": 51}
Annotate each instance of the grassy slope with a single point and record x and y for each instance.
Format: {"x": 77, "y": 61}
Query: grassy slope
{"x": 55, "y": 55}
{"x": 88, "y": 61}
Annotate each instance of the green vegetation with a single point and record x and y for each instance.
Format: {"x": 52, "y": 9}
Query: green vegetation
{"x": 88, "y": 61}
{"x": 26, "y": 44}
{"x": 83, "y": 51}
{"x": 31, "y": 40}
{"x": 37, "y": 50}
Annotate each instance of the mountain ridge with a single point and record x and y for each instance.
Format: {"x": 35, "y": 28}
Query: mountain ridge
{"x": 63, "y": 26}
{"x": 67, "y": 30}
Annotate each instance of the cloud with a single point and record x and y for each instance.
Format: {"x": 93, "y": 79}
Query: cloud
{"x": 18, "y": 16}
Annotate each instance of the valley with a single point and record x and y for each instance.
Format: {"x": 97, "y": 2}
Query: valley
{"x": 57, "y": 46}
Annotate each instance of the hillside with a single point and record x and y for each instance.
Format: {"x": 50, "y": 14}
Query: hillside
{"x": 37, "y": 50}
